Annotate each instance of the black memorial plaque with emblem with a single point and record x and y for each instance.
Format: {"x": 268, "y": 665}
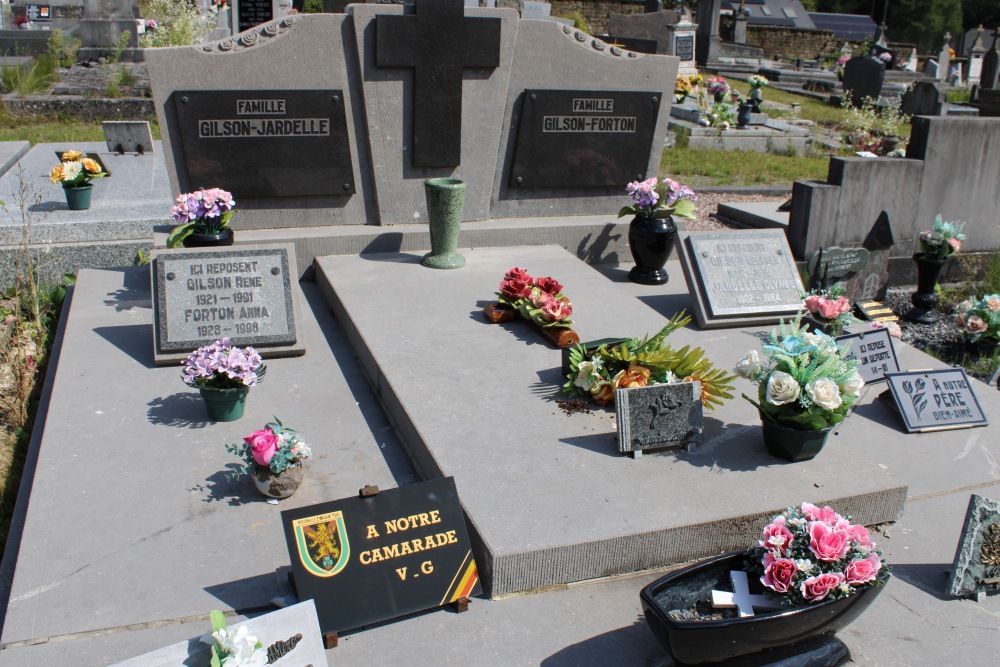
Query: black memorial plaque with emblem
{"x": 583, "y": 138}
{"x": 369, "y": 559}
{"x": 252, "y": 13}
{"x": 265, "y": 143}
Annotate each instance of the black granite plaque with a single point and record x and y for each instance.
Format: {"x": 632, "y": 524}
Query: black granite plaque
{"x": 438, "y": 42}
{"x": 203, "y": 295}
{"x": 935, "y": 400}
{"x": 826, "y": 265}
{"x": 583, "y": 138}
{"x": 663, "y": 415}
{"x": 252, "y": 13}
{"x": 684, "y": 47}
{"x": 875, "y": 354}
{"x": 265, "y": 143}
{"x": 364, "y": 560}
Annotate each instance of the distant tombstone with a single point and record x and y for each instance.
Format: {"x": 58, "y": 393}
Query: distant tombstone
{"x": 289, "y": 636}
{"x": 875, "y": 353}
{"x": 976, "y": 54}
{"x": 989, "y": 103}
{"x": 741, "y": 278}
{"x": 102, "y": 23}
{"x": 944, "y": 59}
{"x": 925, "y": 98}
{"x": 976, "y": 568}
{"x": 931, "y": 72}
{"x": 562, "y": 140}
{"x": 863, "y": 78}
{"x": 912, "y": 62}
{"x": 991, "y": 65}
{"x": 652, "y": 6}
{"x": 872, "y": 282}
{"x": 879, "y": 49}
{"x": 827, "y": 266}
{"x": 740, "y": 20}
{"x": 252, "y": 13}
{"x": 663, "y": 415}
{"x": 244, "y": 293}
{"x": 936, "y": 400}
{"x": 536, "y": 10}
{"x": 373, "y": 558}
{"x": 654, "y": 27}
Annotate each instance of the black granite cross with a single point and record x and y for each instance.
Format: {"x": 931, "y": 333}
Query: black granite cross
{"x": 438, "y": 42}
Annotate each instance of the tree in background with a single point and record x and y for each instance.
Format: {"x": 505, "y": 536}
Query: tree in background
{"x": 981, "y": 12}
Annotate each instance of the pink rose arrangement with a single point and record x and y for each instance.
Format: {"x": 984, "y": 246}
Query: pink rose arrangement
{"x": 539, "y": 300}
{"x": 274, "y": 447}
{"x": 808, "y": 554}
{"x": 830, "y": 307}
{"x": 221, "y": 365}
{"x": 979, "y": 319}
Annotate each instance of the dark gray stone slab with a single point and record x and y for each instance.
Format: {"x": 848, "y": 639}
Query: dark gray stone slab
{"x": 739, "y": 278}
{"x": 664, "y": 415}
{"x": 976, "y": 568}
{"x": 292, "y": 635}
{"x": 935, "y": 400}
{"x": 925, "y": 99}
{"x": 826, "y": 265}
{"x": 245, "y": 293}
{"x": 863, "y": 78}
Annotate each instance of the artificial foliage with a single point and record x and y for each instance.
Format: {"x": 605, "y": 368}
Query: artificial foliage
{"x": 639, "y": 362}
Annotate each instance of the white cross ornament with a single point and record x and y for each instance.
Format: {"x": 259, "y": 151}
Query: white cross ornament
{"x": 741, "y": 598}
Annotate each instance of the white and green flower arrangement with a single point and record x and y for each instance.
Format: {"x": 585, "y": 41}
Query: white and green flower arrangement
{"x": 806, "y": 381}
{"x": 233, "y": 649}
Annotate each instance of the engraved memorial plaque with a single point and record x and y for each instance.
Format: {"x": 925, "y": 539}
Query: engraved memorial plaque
{"x": 684, "y": 47}
{"x": 583, "y": 138}
{"x": 875, "y": 354}
{"x": 265, "y": 143}
{"x": 976, "y": 568}
{"x": 251, "y": 13}
{"x": 663, "y": 415}
{"x": 202, "y": 295}
{"x": 741, "y": 278}
{"x": 935, "y": 400}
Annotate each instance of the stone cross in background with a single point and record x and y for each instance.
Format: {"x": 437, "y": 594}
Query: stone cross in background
{"x": 438, "y": 42}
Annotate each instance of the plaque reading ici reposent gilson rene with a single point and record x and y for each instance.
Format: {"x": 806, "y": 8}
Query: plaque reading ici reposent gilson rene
{"x": 265, "y": 143}
{"x": 242, "y": 294}
{"x": 583, "y": 138}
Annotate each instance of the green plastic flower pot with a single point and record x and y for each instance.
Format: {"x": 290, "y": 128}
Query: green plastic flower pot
{"x": 78, "y": 196}
{"x": 224, "y": 405}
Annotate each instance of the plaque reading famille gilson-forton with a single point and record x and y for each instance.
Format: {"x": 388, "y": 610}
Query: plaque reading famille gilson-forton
{"x": 242, "y": 294}
{"x": 583, "y": 138}
{"x": 369, "y": 559}
{"x": 265, "y": 143}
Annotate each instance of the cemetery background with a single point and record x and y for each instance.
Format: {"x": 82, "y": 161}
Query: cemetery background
{"x": 614, "y": 642}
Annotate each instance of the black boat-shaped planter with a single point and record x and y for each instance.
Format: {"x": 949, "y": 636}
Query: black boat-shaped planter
{"x": 753, "y": 640}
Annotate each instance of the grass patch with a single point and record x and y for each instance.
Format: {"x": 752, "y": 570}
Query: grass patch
{"x": 53, "y": 129}
{"x": 25, "y": 80}
{"x": 718, "y": 167}
{"x": 809, "y": 108}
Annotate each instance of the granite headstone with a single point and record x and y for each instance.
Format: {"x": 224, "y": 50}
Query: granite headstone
{"x": 863, "y": 78}
{"x": 662, "y": 415}
{"x": 741, "y": 278}
{"x": 925, "y": 98}
{"x": 976, "y": 568}
{"x": 827, "y": 266}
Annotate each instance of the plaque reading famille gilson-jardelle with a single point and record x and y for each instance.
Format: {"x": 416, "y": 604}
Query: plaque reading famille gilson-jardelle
{"x": 369, "y": 559}
{"x": 244, "y": 294}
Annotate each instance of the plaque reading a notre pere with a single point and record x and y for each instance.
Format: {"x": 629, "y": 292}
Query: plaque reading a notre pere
{"x": 875, "y": 354}
{"x": 583, "y": 138}
{"x": 252, "y": 13}
{"x": 244, "y": 294}
{"x": 369, "y": 559}
{"x": 935, "y": 400}
{"x": 741, "y": 278}
{"x": 265, "y": 143}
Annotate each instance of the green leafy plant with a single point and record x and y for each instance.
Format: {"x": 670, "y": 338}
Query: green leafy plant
{"x": 642, "y": 362}
{"x": 63, "y": 53}
{"x": 27, "y": 80}
{"x": 806, "y": 382}
{"x": 177, "y": 23}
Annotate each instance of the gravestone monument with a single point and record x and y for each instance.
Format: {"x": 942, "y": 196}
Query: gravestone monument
{"x": 976, "y": 54}
{"x": 102, "y": 23}
{"x": 744, "y": 278}
{"x": 991, "y": 64}
{"x": 944, "y": 59}
{"x": 925, "y": 98}
{"x": 378, "y": 112}
{"x": 863, "y": 78}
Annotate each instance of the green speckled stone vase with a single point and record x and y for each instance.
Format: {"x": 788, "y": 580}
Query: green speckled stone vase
{"x": 445, "y": 202}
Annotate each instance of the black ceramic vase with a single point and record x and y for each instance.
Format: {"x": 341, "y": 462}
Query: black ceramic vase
{"x": 799, "y": 635}
{"x": 223, "y": 238}
{"x": 651, "y": 241}
{"x": 756, "y": 97}
{"x": 925, "y": 298}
